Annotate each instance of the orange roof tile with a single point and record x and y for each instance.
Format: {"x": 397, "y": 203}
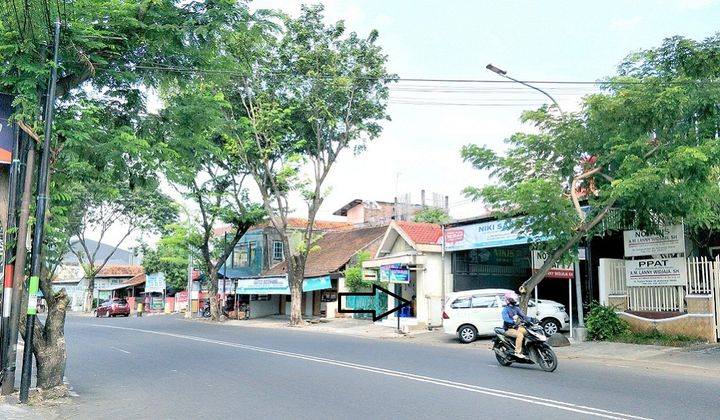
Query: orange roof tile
{"x": 421, "y": 233}
{"x": 121, "y": 271}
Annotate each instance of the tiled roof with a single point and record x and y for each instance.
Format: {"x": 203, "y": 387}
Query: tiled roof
{"x": 121, "y": 271}
{"x": 139, "y": 279}
{"x": 335, "y": 249}
{"x": 293, "y": 223}
{"x": 422, "y": 233}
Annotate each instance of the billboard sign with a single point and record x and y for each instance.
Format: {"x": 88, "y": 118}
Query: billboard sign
{"x": 656, "y": 272}
{"x": 155, "y": 283}
{"x": 485, "y": 235}
{"x": 670, "y": 240}
{"x": 560, "y": 272}
{"x": 6, "y": 129}
{"x": 395, "y": 273}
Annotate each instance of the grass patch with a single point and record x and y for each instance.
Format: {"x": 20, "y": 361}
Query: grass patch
{"x": 656, "y": 338}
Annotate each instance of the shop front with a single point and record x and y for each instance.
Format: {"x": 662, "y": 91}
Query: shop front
{"x": 270, "y": 295}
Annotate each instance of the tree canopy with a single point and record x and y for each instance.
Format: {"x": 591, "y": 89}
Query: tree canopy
{"x": 645, "y": 150}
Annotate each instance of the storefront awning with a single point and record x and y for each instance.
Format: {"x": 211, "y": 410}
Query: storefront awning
{"x": 278, "y": 285}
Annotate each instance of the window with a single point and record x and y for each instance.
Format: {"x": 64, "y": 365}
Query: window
{"x": 240, "y": 256}
{"x": 461, "y": 303}
{"x": 278, "y": 251}
{"x": 484, "y": 301}
{"x": 251, "y": 252}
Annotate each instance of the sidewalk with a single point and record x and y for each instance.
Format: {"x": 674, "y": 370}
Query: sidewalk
{"x": 701, "y": 359}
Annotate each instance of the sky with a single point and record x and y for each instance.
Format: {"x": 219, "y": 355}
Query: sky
{"x": 532, "y": 40}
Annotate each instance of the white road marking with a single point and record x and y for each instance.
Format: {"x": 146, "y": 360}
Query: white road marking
{"x": 530, "y": 399}
{"x": 124, "y": 351}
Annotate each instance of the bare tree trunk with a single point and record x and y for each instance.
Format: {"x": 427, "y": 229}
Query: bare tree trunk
{"x": 296, "y": 272}
{"x": 50, "y": 359}
{"x": 215, "y": 311}
{"x": 89, "y": 295}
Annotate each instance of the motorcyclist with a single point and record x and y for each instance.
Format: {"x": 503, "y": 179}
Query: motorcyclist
{"x": 512, "y": 317}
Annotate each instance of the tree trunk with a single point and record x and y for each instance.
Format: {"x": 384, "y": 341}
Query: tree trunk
{"x": 296, "y": 271}
{"x": 50, "y": 359}
{"x": 215, "y": 311}
{"x": 89, "y": 295}
{"x": 529, "y": 285}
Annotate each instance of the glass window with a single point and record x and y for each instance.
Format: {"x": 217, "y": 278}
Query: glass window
{"x": 278, "y": 251}
{"x": 251, "y": 252}
{"x": 240, "y": 256}
{"x": 460, "y": 303}
{"x": 484, "y": 301}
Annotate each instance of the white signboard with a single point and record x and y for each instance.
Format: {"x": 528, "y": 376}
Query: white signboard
{"x": 656, "y": 272}
{"x": 561, "y": 272}
{"x": 263, "y": 286}
{"x": 671, "y": 240}
{"x": 155, "y": 283}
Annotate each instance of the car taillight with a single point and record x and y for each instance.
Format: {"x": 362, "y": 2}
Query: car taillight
{"x": 445, "y": 315}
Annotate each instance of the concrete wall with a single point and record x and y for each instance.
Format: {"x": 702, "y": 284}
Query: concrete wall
{"x": 698, "y": 322}
{"x": 430, "y": 295}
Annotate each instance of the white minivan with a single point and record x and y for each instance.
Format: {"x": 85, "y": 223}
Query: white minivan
{"x": 473, "y": 313}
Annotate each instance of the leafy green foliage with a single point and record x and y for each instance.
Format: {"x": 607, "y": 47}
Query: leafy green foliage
{"x": 645, "y": 150}
{"x": 657, "y": 338}
{"x": 171, "y": 254}
{"x": 603, "y": 323}
{"x": 354, "y": 279}
{"x": 432, "y": 215}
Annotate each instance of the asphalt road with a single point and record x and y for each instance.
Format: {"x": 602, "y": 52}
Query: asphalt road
{"x": 166, "y": 367}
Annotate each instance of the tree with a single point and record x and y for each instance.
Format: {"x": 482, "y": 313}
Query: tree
{"x": 143, "y": 209}
{"x": 110, "y": 53}
{"x": 312, "y": 92}
{"x": 171, "y": 254}
{"x": 432, "y": 215}
{"x": 191, "y": 132}
{"x": 645, "y": 151}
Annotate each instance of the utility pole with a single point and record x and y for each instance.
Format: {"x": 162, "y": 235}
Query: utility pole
{"x": 9, "y": 250}
{"x": 26, "y": 174}
{"x": 35, "y": 261}
{"x": 188, "y": 311}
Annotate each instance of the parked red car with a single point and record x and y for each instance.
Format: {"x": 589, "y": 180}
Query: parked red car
{"x": 113, "y": 307}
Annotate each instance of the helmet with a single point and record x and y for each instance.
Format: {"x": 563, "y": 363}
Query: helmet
{"x": 511, "y": 298}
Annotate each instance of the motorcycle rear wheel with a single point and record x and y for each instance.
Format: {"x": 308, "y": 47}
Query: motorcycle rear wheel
{"x": 547, "y": 359}
{"x": 503, "y": 361}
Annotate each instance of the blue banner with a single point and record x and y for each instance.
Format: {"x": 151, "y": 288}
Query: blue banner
{"x": 317, "y": 283}
{"x": 279, "y": 285}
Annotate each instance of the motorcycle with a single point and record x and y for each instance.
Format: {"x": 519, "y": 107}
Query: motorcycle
{"x": 535, "y": 347}
{"x": 205, "y": 312}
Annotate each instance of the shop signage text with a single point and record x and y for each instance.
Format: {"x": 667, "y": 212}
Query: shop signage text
{"x": 395, "y": 273}
{"x": 670, "y": 240}
{"x": 155, "y": 283}
{"x": 656, "y": 272}
{"x": 558, "y": 272}
{"x": 485, "y": 235}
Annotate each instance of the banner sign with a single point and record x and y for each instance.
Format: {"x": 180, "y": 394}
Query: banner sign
{"x": 6, "y": 129}
{"x": 279, "y": 285}
{"x": 656, "y": 272}
{"x": 395, "y": 273}
{"x": 181, "y": 297}
{"x": 560, "y": 272}
{"x": 263, "y": 286}
{"x": 485, "y": 235}
{"x": 370, "y": 274}
{"x": 155, "y": 283}
{"x": 317, "y": 283}
{"x": 671, "y": 240}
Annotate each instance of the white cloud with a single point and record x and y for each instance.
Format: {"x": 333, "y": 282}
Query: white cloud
{"x": 625, "y": 24}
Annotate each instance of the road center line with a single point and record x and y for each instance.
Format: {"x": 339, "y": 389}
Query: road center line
{"x": 124, "y": 351}
{"x": 404, "y": 375}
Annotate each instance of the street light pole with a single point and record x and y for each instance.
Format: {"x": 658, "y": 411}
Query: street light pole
{"x": 578, "y": 291}
{"x": 503, "y": 73}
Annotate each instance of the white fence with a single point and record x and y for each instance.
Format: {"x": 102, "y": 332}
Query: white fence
{"x": 702, "y": 273}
